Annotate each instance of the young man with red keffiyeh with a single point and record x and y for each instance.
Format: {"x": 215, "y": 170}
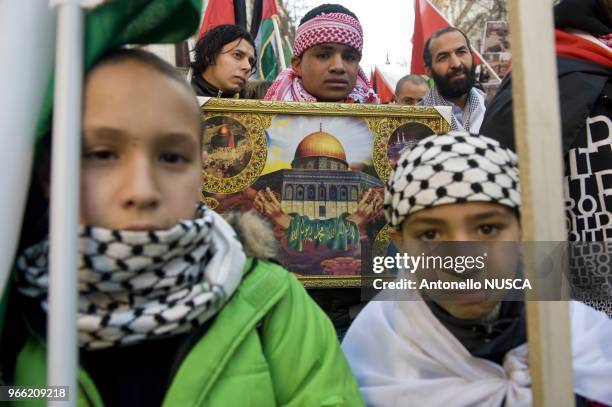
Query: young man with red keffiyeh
{"x": 325, "y": 63}
{"x": 325, "y": 68}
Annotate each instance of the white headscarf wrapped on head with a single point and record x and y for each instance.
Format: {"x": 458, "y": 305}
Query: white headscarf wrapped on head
{"x": 402, "y": 355}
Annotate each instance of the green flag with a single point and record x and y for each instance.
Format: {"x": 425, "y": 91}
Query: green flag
{"x": 120, "y": 22}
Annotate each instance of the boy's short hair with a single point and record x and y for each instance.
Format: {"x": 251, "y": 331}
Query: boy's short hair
{"x": 457, "y": 167}
{"x": 412, "y": 78}
{"x": 210, "y": 45}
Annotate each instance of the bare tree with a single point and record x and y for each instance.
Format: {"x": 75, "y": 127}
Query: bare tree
{"x": 290, "y": 11}
{"x": 470, "y": 15}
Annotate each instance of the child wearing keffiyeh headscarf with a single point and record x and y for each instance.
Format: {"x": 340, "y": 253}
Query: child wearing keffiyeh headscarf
{"x": 466, "y": 347}
{"x": 325, "y": 63}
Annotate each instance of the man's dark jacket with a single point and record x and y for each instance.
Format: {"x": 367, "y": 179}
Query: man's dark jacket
{"x": 585, "y": 93}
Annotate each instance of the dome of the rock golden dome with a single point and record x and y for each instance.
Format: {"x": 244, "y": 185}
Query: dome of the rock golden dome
{"x": 320, "y": 144}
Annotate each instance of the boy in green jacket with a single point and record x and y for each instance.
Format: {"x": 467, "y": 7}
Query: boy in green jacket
{"x": 176, "y": 307}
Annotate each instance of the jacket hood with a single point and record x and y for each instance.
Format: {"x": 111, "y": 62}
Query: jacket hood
{"x": 255, "y": 234}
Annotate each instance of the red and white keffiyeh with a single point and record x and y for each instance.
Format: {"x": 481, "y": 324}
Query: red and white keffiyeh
{"x": 288, "y": 87}
{"x": 330, "y": 27}
{"x": 606, "y": 39}
{"x": 325, "y": 28}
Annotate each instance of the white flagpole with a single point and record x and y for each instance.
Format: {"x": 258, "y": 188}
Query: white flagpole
{"x": 65, "y": 180}
{"x": 27, "y": 45}
{"x": 279, "y": 44}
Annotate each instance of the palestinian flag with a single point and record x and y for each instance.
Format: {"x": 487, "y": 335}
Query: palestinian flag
{"x": 383, "y": 82}
{"x": 265, "y": 22}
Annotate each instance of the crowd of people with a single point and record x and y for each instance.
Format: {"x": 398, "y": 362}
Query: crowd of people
{"x": 179, "y": 305}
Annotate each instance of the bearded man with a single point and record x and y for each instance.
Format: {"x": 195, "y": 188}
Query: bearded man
{"x": 449, "y": 61}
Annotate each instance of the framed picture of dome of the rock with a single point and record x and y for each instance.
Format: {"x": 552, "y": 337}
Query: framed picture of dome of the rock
{"x": 314, "y": 171}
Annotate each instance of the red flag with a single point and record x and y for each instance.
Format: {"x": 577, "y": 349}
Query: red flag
{"x": 217, "y": 12}
{"x": 383, "y": 88}
{"x": 268, "y": 9}
{"x": 427, "y": 20}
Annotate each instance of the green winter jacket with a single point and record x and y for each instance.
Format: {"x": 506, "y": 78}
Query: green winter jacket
{"x": 270, "y": 345}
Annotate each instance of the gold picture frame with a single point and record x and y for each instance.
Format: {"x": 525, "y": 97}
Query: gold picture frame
{"x": 315, "y": 170}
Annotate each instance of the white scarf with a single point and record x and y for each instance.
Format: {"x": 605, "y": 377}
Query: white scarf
{"x": 473, "y": 114}
{"x": 135, "y": 286}
{"x": 403, "y": 356}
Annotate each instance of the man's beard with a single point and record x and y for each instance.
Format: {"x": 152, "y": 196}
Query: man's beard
{"x": 458, "y": 87}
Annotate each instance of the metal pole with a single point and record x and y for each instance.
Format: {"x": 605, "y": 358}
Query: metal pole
{"x": 537, "y": 130}
{"x": 62, "y": 355}
{"x": 279, "y": 43}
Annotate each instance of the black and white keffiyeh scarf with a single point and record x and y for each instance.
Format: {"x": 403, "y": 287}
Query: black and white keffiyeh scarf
{"x": 474, "y": 101}
{"x": 452, "y": 168}
{"x": 135, "y": 286}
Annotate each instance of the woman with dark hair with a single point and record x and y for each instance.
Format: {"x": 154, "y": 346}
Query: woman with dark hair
{"x": 224, "y": 60}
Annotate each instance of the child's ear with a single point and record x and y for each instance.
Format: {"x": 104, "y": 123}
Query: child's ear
{"x": 296, "y": 64}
